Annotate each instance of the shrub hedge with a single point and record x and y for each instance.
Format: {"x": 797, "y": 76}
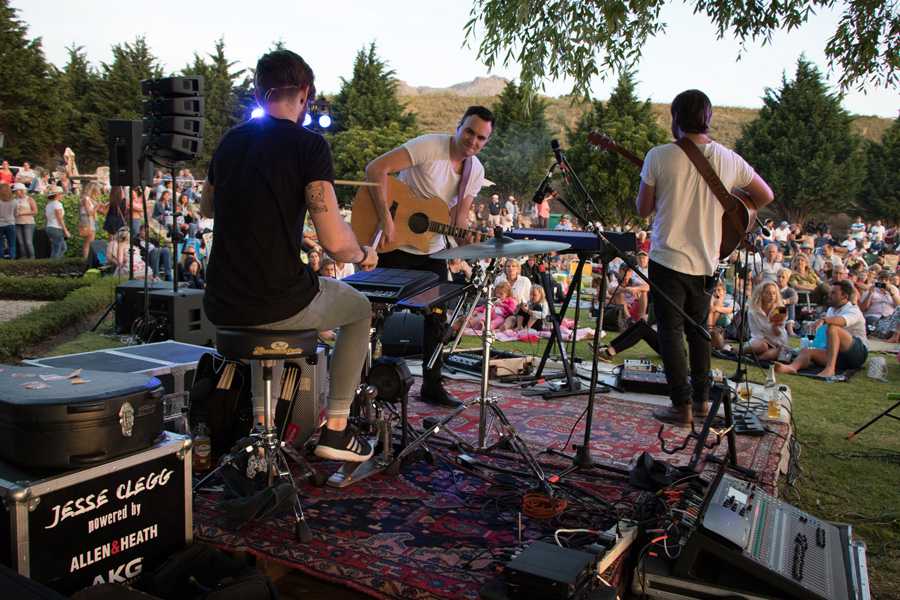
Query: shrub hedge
{"x": 39, "y": 288}
{"x": 44, "y": 267}
{"x": 22, "y": 332}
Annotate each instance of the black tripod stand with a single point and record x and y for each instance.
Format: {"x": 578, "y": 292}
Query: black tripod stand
{"x": 608, "y": 251}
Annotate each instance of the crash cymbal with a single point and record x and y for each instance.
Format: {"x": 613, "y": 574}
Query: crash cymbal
{"x": 499, "y": 248}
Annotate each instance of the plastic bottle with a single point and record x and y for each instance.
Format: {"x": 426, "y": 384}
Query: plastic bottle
{"x": 774, "y": 409}
{"x": 202, "y": 460}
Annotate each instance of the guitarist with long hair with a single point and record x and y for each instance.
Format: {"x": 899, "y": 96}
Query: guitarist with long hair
{"x": 685, "y": 240}
{"x": 433, "y": 165}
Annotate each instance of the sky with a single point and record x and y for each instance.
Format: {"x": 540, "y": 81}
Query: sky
{"x": 423, "y": 41}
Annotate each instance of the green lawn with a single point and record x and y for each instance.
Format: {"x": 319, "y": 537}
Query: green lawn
{"x": 854, "y": 482}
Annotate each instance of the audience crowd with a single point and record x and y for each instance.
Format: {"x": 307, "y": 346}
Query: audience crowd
{"x": 796, "y": 280}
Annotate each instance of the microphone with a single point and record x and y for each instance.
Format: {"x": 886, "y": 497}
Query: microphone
{"x": 763, "y": 228}
{"x": 560, "y": 160}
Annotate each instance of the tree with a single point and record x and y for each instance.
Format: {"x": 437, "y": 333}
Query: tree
{"x": 581, "y": 39}
{"x": 802, "y": 145}
{"x": 369, "y": 99}
{"x": 222, "y": 109}
{"x": 354, "y": 148}
{"x": 29, "y": 109}
{"x": 77, "y": 84}
{"x": 611, "y": 180}
{"x": 880, "y": 196}
{"x": 518, "y": 154}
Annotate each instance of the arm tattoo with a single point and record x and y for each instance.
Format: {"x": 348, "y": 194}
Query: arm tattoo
{"x": 315, "y": 197}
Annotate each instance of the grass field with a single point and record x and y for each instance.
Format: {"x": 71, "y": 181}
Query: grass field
{"x": 856, "y": 482}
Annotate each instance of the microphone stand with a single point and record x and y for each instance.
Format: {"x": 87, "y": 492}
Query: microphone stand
{"x": 608, "y": 251}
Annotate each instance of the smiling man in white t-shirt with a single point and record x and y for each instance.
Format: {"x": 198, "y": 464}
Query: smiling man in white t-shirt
{"x": 432, "y": 165}
{"x": 684, "y": 250}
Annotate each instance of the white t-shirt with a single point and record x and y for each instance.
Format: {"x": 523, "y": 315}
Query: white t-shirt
{"x": 432, "y": 176}
{"x": 687, "y": 228}
{"x": 781, "y": 234}
{"x": 521, "y": 289}
{"x": 50, "y": 213}
{"x": 856, "y": 322}
{"x": 876, "y": 232}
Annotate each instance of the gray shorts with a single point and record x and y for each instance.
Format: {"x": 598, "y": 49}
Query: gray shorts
{"x": 854, "y": 357}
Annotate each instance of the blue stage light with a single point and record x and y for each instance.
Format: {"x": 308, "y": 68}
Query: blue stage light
{"x": 257, "y": 112}
{"x": 307, "y": 120}
{"x": 324, "y": 121}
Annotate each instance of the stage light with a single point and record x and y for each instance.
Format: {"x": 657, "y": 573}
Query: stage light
{"x": 324, "y": 121}
{"x": 257, "y": 112}
{"x": 307, "y": 120}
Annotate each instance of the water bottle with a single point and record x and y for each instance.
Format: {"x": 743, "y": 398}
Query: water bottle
{"x": 774, "y": 409}
{"x": 202, "y": 460}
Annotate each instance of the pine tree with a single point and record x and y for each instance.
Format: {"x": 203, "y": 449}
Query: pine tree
{"x": 77, "y": 84}
{"x": 802, "y": 145}
{"x": 354, "y": 148}
{"x": 222, "y": 109}
{"x": 611, "y": 180}
{"x": 30, "y": 118}
{"x": 880, "y": 196}
{"x": 518, "y": 153}
{"x": 369, "y": 98}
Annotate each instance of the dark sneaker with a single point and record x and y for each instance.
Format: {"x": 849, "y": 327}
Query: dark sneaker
{"x": 675, "y": 415}
{"x": 438, "y": 395}
{"x": 346, "y": 446}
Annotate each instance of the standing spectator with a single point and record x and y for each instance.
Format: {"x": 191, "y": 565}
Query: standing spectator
{"x": 87, "y": 215}
{"x": 56, "y": 222}
{"x": 876, "y": 236}
{"x": 858, "y": 229}
{"x": 512, "y": 207}
{"x": 542, "y": 218}
{"x": 506, "y": 219}
{"x": 6, "y": 174}
{"x": 115, "y": 211}
{"x": 494, "y": 210}
{"x": 26, "y": 175}
{"x": 26, "y": 209}
{"x": 7, "y": 221}
{"x": 137, "y": 209}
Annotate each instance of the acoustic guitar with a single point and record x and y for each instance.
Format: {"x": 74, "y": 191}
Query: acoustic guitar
{"x": 416, "y": 220}
{"x": 738, "y": 220}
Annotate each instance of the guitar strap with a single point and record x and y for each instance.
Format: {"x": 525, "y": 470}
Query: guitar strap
{"x": 463, "y": 185}
{"x": 727, "y": 201}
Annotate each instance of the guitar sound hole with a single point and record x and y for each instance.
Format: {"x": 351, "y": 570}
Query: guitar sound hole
{"x": 418, "y": 223}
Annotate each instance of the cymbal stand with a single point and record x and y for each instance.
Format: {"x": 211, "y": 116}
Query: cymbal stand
{"x": 507, "y": 434}
{"x": 475, "y": 290}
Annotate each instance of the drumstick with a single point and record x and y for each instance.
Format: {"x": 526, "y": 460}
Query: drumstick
{"x": 355, "y": 183}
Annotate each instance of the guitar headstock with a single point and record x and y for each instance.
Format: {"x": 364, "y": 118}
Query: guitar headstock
{"x": 601, "y": 139}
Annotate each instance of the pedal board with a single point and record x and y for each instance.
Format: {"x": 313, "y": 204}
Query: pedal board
{"x": 748, "y": 424}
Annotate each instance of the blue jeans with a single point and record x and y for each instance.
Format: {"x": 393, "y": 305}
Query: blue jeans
{"x": 58, "y": 244}
{"x": 161, "y": 258}
{"x": 25, "y": 240}
{"x": 8, "y": 234}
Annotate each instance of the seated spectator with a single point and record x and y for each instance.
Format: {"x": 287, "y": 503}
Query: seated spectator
{"x": 789, "y": 296}
{"x": 342, "y": 269}
{"x": 766, "y": 316}
{"x": 531, "y": 315}
{"x": 506, "y": 219}
{"x": 163, "y": 210}
{"x": 879, "y": 305}
{"x": 631, "y": 292}
{"x": 781, "y": 233}
{"x": 721, "y": 307}
{"x": 158, "y": 257}
{"x": 504, "y": 306}
{"x": 314, "y": 260}
{"x": 117, "y": 255}
{"x": 770, "y": 265}
{"x": 804, "y": 279}
{"x": 827, "y": 263}
{"x": 328, "y": 268}
{"x": 190, "y": 271}
{"x": 565, "y": 223}
{"x": 460, "y": 271}
{"x": 521, "y": 286}
{"x": 26, "y": 175}
{"x": 847, "y": 343}
{"x": 26, "y": 209}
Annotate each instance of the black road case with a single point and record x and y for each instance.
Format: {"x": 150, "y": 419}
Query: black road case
{"x": 50, "y": 421}
{"x": 105, "y": 524}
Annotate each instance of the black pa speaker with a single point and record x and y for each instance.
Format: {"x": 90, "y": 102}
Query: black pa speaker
{"x": 181, "y": 313}
{"x": 125, "y": 140}
{"x": 402, "y": 335}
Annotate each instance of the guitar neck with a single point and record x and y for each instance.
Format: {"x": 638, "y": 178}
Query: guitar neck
{"x": 453, "y": 231}
{"x": 607, "y": 144}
